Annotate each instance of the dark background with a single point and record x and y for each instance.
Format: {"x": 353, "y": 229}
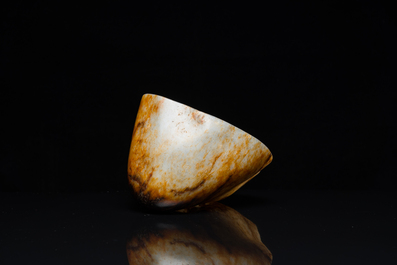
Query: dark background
{"x": 314, "y": 81}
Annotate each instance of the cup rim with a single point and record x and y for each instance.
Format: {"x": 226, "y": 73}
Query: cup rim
{"x": 212, "y": 116}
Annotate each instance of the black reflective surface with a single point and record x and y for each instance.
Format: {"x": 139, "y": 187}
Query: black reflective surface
{"x": 298, "y": 227}
{"x": 210, "y": 234}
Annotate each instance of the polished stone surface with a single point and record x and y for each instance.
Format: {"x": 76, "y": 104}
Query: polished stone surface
{"x": 298, "y": 227}
{"x": 181, "y": 157}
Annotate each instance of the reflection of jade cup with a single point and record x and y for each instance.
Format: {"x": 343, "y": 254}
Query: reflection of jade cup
{"x": 181, "y": 157}
{"x": 213, "y": 234}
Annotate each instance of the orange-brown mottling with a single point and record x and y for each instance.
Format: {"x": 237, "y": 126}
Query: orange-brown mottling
{"x": 199, "y": 118}
{"x": 218, "y": 173}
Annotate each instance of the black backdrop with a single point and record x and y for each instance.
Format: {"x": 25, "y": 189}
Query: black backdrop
{"x": 314, "y": 81}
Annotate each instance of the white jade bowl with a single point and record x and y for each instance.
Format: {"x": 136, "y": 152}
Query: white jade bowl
{"x": 181, "y": 157}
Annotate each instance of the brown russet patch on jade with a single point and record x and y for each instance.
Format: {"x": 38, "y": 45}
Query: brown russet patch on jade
{"x": 199, "y": 118}
{"x": 180, "y": 157}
